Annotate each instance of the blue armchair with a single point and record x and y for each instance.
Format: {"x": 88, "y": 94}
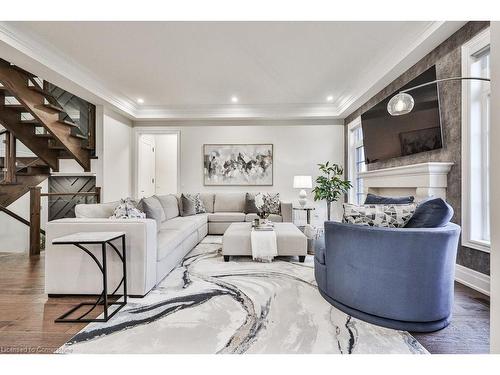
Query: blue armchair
{"x": 400, "y": 278}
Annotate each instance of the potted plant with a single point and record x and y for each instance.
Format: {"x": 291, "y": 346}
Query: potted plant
{"x": 330, "y": 186}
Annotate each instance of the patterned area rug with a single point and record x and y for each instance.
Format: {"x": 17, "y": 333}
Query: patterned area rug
{"x": 207, "y": 305}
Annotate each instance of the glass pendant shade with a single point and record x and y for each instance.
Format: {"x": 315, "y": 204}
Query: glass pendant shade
{"x": 400, "y": 104}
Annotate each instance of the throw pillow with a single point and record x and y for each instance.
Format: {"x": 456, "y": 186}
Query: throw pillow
{"x": 377, "y": 215}
{"x": 377, "y": 199}
{"x": 127, "y": 210}
{"x": 250, "y": 207}
{"x": 153, "y": 209}
{"x": 268, "y": 203}
{"x": 192, "y": 204}
{"x": 431, "y": 213}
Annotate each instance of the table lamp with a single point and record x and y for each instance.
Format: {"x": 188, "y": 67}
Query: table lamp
{"x": 302, "y": 182}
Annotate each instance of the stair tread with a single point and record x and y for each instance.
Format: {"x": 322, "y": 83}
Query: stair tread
{"x": 40, "y": 90}
{"x": 13, "y": 105}
{"x": 53, "y": 107}
{"x": 69, "y": 123}
{"x": 79, "y": 136}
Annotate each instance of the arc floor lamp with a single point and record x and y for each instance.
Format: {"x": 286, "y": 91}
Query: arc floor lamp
{"x": 402, "y": 103}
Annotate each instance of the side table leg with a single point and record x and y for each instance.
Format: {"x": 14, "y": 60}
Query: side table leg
{"x": 105, "y": 281}
{"x": 124, "y": 251}
{"x": 308, "y": 216}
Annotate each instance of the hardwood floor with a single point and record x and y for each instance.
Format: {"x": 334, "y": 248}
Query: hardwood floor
{"x": 27, "y": 314}
{"x": 469, "y": 330}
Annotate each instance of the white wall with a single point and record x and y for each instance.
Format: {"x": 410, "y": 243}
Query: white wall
{"x": 297, "y": 151}
{"x": 495, "y": 187}
{"x": 166, "y": 164}
{"x": 116, "y": 157}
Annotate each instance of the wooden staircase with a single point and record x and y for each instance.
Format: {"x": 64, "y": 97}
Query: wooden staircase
{"x": 31, "y": 114}
{"x": 31, "y": 172}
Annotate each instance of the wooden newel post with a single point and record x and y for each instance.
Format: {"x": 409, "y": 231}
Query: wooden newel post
{"x": 35, "y": 194}
{"x": 10, "y": 158}
{"x": 98, "y": 194}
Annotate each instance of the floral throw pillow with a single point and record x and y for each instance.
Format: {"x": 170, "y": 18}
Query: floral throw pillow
{"x": 192, "y": 204}
{"x": 268, "y": 203}
{"x": 379, "y": 215}
{"x": 127, "y": 209}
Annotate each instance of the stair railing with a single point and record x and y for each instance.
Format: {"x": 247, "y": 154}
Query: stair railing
{"x": 35, "y": 207}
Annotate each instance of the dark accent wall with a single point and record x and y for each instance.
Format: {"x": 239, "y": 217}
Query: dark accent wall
{"x": 447, "y": 58}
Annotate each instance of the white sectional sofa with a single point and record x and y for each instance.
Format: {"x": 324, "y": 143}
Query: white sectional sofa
{"x": 153, "y": 249}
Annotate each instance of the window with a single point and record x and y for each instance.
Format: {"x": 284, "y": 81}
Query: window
{"x": 475, "y": 143}
{"x": 356, "y": 156}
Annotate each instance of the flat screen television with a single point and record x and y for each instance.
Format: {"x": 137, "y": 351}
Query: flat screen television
{"x": 386, "y": 137}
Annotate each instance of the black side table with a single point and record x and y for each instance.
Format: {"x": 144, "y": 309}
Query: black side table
{"x": 103, "y": 239}
{"x": 308, "y": 212}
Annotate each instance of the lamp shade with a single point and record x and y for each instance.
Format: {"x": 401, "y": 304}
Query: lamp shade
{"x": 302, "y": 182}
{"x": 400, "y": 104}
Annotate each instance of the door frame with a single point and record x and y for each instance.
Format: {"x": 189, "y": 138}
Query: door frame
{"x": 154, "y": 130}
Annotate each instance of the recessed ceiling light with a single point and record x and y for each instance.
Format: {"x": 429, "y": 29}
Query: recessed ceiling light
{"x": 329, "y": 98}
{"x": 140, "y": 101}
{"x": 234, "y": 99}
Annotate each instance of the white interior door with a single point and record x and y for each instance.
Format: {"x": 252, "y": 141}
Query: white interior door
{"x": 166, "y": 163}
{"x": 146, "y": 173}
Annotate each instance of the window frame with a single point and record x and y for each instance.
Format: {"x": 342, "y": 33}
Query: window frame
{"x": 353, "y": 145}
{"x": 469, "y": 50}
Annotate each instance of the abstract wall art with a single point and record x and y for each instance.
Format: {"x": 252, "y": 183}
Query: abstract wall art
{"x": 238, "y": 164}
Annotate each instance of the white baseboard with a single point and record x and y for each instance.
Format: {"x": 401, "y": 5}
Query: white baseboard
{"x": 473, "y": 279}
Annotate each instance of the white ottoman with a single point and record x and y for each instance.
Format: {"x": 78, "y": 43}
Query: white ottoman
{"x": 290, "y": 240}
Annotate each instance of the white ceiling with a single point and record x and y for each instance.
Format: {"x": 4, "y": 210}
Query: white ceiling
{"x": 192, "y": 69}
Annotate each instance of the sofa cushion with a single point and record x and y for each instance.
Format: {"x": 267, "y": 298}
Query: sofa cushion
{"x": 153, "y": 209}
{"x": 192, "y": 204}
{"x": 96, "y": 211}
{"x": 378, "y": 199}
{"x": 170, "y": 205}
{"x": 168, "y": 240}
{"x": 273, "y": 217}
{"x": 185, "y": 224}
{"x": 229, "y": 202}
{"x": 378, "y": 215}
{"x": 431, "y": 213}
{"x": 226, "y": 217}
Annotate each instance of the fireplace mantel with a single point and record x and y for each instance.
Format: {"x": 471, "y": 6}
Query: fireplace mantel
{"x": 421, "y": 180}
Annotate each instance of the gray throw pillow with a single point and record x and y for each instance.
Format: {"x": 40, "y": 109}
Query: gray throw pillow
{"x": 192, "y": 204}
{"x": 378, "y": 199}
{"x": 250, "y": 207}
{"x": 153, "y": 209}
{"x": 431, "y": 213}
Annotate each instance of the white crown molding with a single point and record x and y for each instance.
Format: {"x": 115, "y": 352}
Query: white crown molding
{"x": 238, "y": 111}
{"x": 43, "y": 59}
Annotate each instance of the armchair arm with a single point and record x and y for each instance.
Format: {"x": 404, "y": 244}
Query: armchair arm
{"x": 286, "y": 212}
{"x": 68, "y": 270}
